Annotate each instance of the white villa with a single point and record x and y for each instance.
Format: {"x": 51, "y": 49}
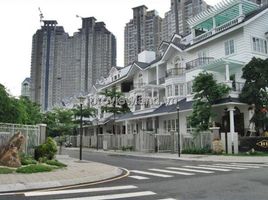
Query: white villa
{"x": 222, "y": 41}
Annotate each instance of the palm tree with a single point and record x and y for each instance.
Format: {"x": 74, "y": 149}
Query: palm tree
{"x": 113, "y": 105}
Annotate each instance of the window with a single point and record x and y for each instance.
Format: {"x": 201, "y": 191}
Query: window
{"x": 229, "y": 47}
{"x": 202, "y": 54}
{"x": 169, "y": 125}
{"x": 189, "y": 87}
{"x": 169, "y": 91}
{"x": 259, "y": 45}
{"x": 165, "y": 125}
{"x": 173, "y": 125}
{"x": 176, "y": 90}
{"x": 181, "y": 90}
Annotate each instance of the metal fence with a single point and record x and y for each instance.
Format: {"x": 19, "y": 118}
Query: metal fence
{"x": 31, "y": 133}
{"x": 202, "y": 140}
{"x": 145, "y": 141}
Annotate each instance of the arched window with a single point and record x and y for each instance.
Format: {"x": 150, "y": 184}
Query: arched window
{"x": 178, "y": 62}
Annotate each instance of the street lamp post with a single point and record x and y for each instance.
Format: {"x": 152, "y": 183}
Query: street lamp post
{"x": 97, "y": 134}
{"x": 81, "y": 101}
{"x": 179, "y": 136}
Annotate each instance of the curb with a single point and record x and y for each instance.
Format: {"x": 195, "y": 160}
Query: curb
{"x": 124, "y": 173}
{"x": 200, "y": 159}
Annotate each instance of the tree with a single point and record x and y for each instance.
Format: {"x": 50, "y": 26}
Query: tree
{"x": 30, "y": 111}
{"x": 206, "y": 91}
{"x": 59, "y": 122}
{"x": 116, "y": 103}
{"x": 86, "y": 112}
{"x": 254, "y": 91}
{"x": 19, "y": 111}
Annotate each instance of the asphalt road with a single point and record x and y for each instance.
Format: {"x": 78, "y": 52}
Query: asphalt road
{"x": 168, "y": 180}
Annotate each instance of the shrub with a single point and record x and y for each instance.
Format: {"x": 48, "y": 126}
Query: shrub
{"x": 127, "y": 148}
{"x": 204, "y": 150}
{"x": 48, "y": 150}
{"x": 55, "y": 163}
{"x": 27, "y": 160}
{"x": 5, "y": 170}
{"x": 34, "y": 169}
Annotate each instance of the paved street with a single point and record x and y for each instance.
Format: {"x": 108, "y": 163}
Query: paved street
{"x": 164, "y": 179}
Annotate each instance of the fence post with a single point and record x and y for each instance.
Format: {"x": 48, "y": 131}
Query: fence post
{"x": 42, "y": 133}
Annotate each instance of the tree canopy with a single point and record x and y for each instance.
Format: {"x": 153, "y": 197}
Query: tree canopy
{"x": 255, "y": 90}
{"x": 18, "y": 110}
{"x": 116, "y": 103}
{"x": 206, "y": 91}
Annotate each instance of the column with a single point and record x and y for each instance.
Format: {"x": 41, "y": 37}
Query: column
{"x": 214, "y": 24}
{"x": 231, "y": 115}
{"x": 227, "y": 72}
{"x": 152, "y": 92}
{"x": 126, "y": 124}
{"x": 241, "y": 12}
{"x": 153, "y": 124}
{"x": 157, "y": 75}
{"x": 240, "y": 9}
{"x": 233, "y": 136}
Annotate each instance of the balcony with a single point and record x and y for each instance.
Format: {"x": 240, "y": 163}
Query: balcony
{"x": 237, "y": 86}
{"x": 153, "y": 82}
{"x": 162, "y": 80}
{"x": 139, "y": 85}
{"x": 216, "y": 30}
{"x": 175, "y": 72}
{"x": 199, "y": 62}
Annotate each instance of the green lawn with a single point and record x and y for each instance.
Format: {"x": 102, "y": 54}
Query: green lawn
{"x": 5, "y": 170}
{"x": 34, "y": 169}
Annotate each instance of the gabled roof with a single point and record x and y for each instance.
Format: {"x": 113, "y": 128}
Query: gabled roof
{"x": 248, "y": 16}
{"x": 164, "y": 109}
{"x": 163, "y": 43}
{"x": 142, "y": 65}
{"x": 27, "y": 80}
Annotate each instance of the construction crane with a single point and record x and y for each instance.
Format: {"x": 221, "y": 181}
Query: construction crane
{"x": 41, "y": 15}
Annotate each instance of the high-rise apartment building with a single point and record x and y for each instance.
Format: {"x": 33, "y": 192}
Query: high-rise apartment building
{"x": 260, "y": 2}
{"x": 25, "y": 88}
{"x": 143, "y": 32}
{"x": 175, "y": 20}
{"x": 64, "y": 66}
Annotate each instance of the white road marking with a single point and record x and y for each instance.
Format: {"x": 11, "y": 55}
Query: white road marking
{"x": 75, "y": 191}
{"x": 247, "y": 164}
{"x": 151, "y": 174}
{"x": 168, "y": 199}
{"x": 139, "y": 177}
{"x": 172, "y": 172}
{"x": 223, "y": 166}
{"x": 191, "y": 170}
{"x": 116, "y": 196}
{"x": 208, "y": 168}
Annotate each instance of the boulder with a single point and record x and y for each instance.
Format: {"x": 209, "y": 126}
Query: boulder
{"x": 9, "y": 154}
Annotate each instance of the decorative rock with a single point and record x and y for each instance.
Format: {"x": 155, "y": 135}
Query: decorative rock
{"x": 9, "y": 154}
{"x": 217, "y": 146}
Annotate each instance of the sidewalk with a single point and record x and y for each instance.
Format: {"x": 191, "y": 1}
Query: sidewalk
{"x": 187, "y": 157}
{"x": 77, "y": 172}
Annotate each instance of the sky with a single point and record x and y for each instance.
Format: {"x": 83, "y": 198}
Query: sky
{"x": 19, "y": 20}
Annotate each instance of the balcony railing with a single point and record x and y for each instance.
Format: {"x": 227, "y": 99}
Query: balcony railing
{"x": 237, "y": 86}
{"x": 152, "y": 82}
{"x": 199, "y": 62}
{"x": 216, "y": 30}
{"x": 139, "y": 85}
{"x": 175, "y": 72}
{"x": 162, "y": 80}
